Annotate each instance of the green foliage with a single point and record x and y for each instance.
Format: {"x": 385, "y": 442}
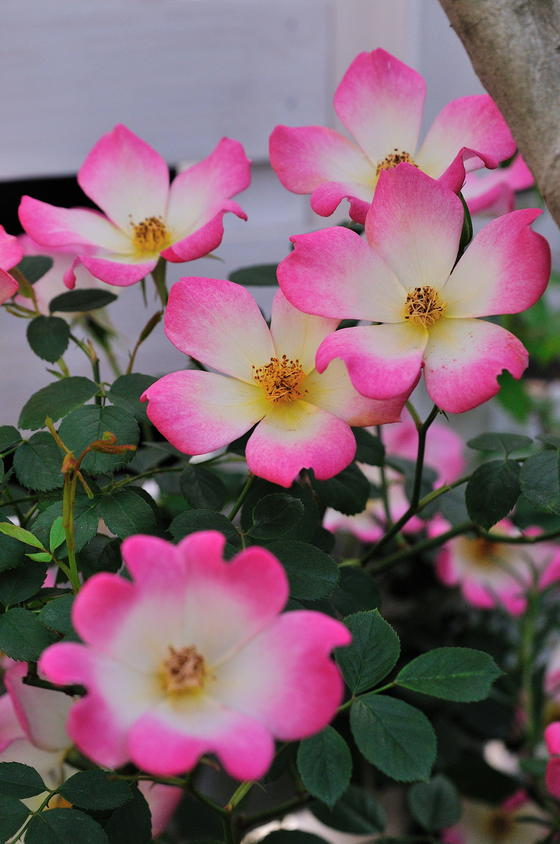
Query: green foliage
{"x": 22, "y": 535}
{"x": 394, "y": 736}
{"x": 21, "y": 583}
{"x": 325, "y": 765}
{"x": 540, "y": 480}
{"x": 356, "y": 591}
{"x": 56, "y": 614}
{"x": 12, "y": 815}
{"x": 347, "y": 492}
{"x": 125, "y": 392}
{"x": 374, "y": 651}
{"x": 202, "y": 488}
{"x": 56, "y": 400}
{"x": 34, "y": 267}
{"x": 292, "y": 836}
{"x": 500, "y": 442}
{"x": 461, "y": 674}
{"x": 64, "y": 825}
{"x": 19, "y": 781}
{"x": 259, "y": 275}
{"x": 126, "y": 511}
{"x": 492, "y": 492}
{"x": 96, "y": 790}
{"x": 38, "y": 463}
{"x": 85, "y": 521}
{"x": 357, "y": 812}
{"x": 81, "y": 301}
{"x": 312, "y": 573}
{"x": 22, "y": 636}
{"x": 9, "y": 436}
{"x": 91, "y": 423}
{"x": 131, "y": 823}
{"x": 370, "y": 449}
{"x": 193, "y": 520}
{"x": 48, "y": 337}
{"x": 435, "y": 804}
{"x": 275, "y": 515}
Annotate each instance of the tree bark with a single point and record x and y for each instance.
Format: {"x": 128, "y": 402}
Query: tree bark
{"x": 514, "y": 46}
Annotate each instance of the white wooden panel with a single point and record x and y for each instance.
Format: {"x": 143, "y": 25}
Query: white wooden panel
{"x": 180, "y": 73}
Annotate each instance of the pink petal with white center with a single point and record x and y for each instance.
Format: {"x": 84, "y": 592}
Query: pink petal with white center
{"x": 444, "y": 448}
{"x": 552, "y": 737}
{"x": 284, "y": 676}
{"x": 333, "y": 391}
{"x": 327, "y": 197}
{"x": 219, "y": 324}
{"x": 334, "y": 273}
{"x": 246, "y": 594}
{"x": 205, "y": 239}
{"x": 198, "y": 412}
{"x": 504, "y": 270}
{"x": 415, "y": 225}
{"x": 167, "y": 742}
{"x": 473, "y": 122}
{"x": 307, "y": 158}
{"x": 8, "y": 286}
{"x": 121, "y": 272}
{"x": 42, "y": 713}
{"x": 10, "y": 727}
{"x": 199, "y": 193}
{"x": 463, "y": 359}
{"x": 383, "y": 361}
{"x": 494, "y": 192}
{"x": 80, "y": 228}
{"x": 296, "y": 334}
{"x": 126, "y": 177}
{"x": 380, "y": 101}
{"x": 299, "y": 436}
{"x": 11, "y": 252}
{"x": 162, "y": 800}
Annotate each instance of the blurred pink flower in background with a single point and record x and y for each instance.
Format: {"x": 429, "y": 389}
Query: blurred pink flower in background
{"x": 482, "y": 823}
{"x": 493, "y": 193}
{"x": 10, "y": 255}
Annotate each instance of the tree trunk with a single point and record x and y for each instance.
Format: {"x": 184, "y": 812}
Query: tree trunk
{"x": 514, "y": 46}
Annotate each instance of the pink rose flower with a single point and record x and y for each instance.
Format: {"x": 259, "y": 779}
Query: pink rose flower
{"x": 265, "y": 376}
{"x": 193, "y": 657}
{"x": 552, "y": 774}
{"x": 144, "y": 216}
{"x": 404, "y": 276}
{"x": 10, "y": 255}
{"x": 494, "y": 193}
{"x": 380, "y": 102}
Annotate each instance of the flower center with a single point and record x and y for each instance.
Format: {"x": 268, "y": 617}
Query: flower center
{"x": 483, "y": 552}
{"x": 183, "y": 672}
{"x": 423, "y": 306}
{"x": 150, "y": 236}
{"x": 500, "y": 825}
{"x": 398, "y": 156}
{"x": 281, "y": 379}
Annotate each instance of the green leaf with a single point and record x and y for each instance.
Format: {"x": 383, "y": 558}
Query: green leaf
{"x": 259, "y": 275}
{"x": 311, "y": 572}
{"x": 356, "y": 591}
{"x": 435, "y": 804}
{"x": 85, "y": 521}
{"x": 275, "y": 515}
{"x": 40, "y": 556}
{"x": 21, "y": 583}
{"x": 347, "y": 492}
{"x": 101, "y": 553}
{"x": 356, "y": 812}
{"x": 38, "y": 463}
{"x": 500, "y": 442}
{"x": 22, "y": 636}
{"x": 56, "y": 534}
{"x": 370, "y": 449}
{"x": 60, "y": 826}
{"x": 540, "y": 481}
{"x": 95, "y": 790}
{"x": 57, "y": 614}
{"x": 461, "y": 674}
{"x": 467, "y": 230}
{"x": 9, "y": 436}
{"x": 325, "y": 765}
{"x": 20, "y": 534}
{"x": 35, "y": 267}
{"x": 193, "y": 520}
{"x": 292, "y": 836}
{"x": 12, "y": 553}
{"x": 394, "y": 736}
{"x": 492, "y": 492}
{"x": 81, "y": 300}
{"x": 12, "y": 816}
{"x": 48, "y": 337}
{"x": 202, "y": 488}
{"x": 88, "y": 424}
{"x": 125, "y": 392}
{"x": 372, "y": 654}
{"x": 56, "y": 400}
{"x": 127, "y": 512}
{"x": 20, "y": 781}
{"x": 513, "y": 396}
{"x": 131, "y": 823}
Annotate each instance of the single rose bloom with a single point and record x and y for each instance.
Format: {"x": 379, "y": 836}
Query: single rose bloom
{"x": 33, "y": 731}
{"x": 491, "y": 573}
{"x": 10, "y": 255}
{"x": 493, "y": 193}
{"x": 265, "y": 376}
{"x": 405, "y": 275}
{"x": 380, "y": 101}
{"x": 193, "y": 656}
{"x": 143, "y": 215}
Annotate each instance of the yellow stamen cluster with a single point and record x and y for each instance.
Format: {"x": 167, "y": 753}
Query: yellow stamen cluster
{"x": 183, "y": 672}
{"x": 281, "y": 379}
{"x": 423, "y": 306}
{"x": 398, "y": 156}
{"x": 150, "y": 236}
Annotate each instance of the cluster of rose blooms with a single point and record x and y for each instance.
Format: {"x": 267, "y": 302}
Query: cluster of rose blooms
{"x": 165, "y": 684}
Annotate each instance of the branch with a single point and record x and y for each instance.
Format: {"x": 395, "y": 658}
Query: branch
{"x": 514, "y": 46}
